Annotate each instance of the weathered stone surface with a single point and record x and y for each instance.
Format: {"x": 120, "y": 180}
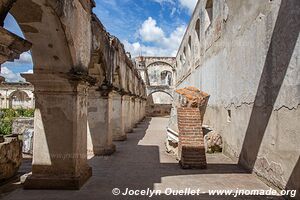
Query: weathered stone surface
{"x": 11, "y": 46}
{"x": 10, "y": 157}
{"x": 20, "y": 125}
{"x": 213, "y": 142}
{"x": 16, "y": 95}
{"x": 24, "y": 127}
{"x": 248, "y": 63}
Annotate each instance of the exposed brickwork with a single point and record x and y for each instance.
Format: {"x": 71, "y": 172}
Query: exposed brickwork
{"x": 191, "y": 140}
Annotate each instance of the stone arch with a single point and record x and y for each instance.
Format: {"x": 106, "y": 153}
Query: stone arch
{"x": 54, "y": 44}
{"x": 159, "y": 62}
{"x": 154, "y": 71}
{"x": 163, "y": 91}
{"x": 197, "y": 29}
{"x": 61, "y": 38}
{"x": 19, "y": 99}
{"x": 159, "y": 105}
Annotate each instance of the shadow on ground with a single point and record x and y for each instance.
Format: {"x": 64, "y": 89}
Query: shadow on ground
{"x": 141, "y": 163}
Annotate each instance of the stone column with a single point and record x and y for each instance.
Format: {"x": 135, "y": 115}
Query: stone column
{"x": 118, "y": 129}
{"x": 132, "y": 112}
{"x": 99, "y": 123}
{"x": 126, "y": 103}
{"x": 59, "y": 147}
{"x": 141, "y": 110}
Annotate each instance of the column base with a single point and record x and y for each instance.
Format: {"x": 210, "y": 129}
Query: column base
{"x": 193, "y": 157}
{"x": 107, "y": 151}
{"x": 52, "y": 182}
{"x": 120, "y": 138}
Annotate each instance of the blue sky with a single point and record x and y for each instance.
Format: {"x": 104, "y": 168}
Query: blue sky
{"x": 146, "y": 27}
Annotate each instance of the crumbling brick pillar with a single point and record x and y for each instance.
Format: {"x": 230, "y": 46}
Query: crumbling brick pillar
{"x": 118, "y": 129}
{"x": 190, "y": 114}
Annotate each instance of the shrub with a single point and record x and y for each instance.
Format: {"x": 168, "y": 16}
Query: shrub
{"x": 7, "y": 116}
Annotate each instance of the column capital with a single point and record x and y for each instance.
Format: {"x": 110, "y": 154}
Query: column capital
{"x": 56, "y": 83}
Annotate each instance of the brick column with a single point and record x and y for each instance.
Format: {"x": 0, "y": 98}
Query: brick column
{"x": 191, "y": 140}
{"x": 190, "y": 115}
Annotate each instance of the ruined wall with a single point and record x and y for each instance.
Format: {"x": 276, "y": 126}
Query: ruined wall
{"x": 16, "y": 95}
{"x": 10, "y": 157}
{"x": 245, "y": 54}
{"x": 159, "y": 74}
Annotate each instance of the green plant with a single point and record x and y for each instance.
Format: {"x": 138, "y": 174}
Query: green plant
{"x": 7, "y": 116}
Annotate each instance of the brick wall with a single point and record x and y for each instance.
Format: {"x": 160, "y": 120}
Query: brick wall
{"x": 191, "y": 140}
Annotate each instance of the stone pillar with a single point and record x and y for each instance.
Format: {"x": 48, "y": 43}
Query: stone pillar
{"x": 59, "y": 155}
{"x": 117, "y": 123}
{"x": 190, "y": 113}
{"x": 136, "y": 111}
{"x": 99, "y": 123}
{"x": 126, "y": 102}
{"x": 133, "y": 108}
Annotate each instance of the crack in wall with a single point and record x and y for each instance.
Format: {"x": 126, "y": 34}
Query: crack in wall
{"x": 251, "y": 103}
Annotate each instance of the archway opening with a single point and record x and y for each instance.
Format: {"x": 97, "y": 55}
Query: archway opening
{"x": 159, "y": 103}
{"x": 19, "y": 99}
{"x": 11, "y": 70}
{"x": 208, "y": 14}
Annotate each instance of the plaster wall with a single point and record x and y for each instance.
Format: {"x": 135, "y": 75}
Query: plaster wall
{"x": 248, "y": 61}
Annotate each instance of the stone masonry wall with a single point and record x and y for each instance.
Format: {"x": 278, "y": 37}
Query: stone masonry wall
{"x": 10, "y": 157}
{"x": 247, "y": 59}
{"x": 24, "y": 127}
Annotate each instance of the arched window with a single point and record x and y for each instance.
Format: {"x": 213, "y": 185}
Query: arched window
{"x": 184, "y": 56}
{"x": 197, "y": 28}
{"x": 209, "y": 13}
{"x": 166, "y": 78}
{"x": 190, "y": 43}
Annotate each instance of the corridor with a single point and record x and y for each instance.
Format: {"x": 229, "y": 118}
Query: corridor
{"x": 141, "y": 163}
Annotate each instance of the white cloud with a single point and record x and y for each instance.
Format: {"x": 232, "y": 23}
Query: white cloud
{"x": 150, "y": 32}
{"x": 10, "y": 76}
{"x": 25, "y": 58}
{"x": 189, "y": 4}
{"x": 164, "y": 46}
